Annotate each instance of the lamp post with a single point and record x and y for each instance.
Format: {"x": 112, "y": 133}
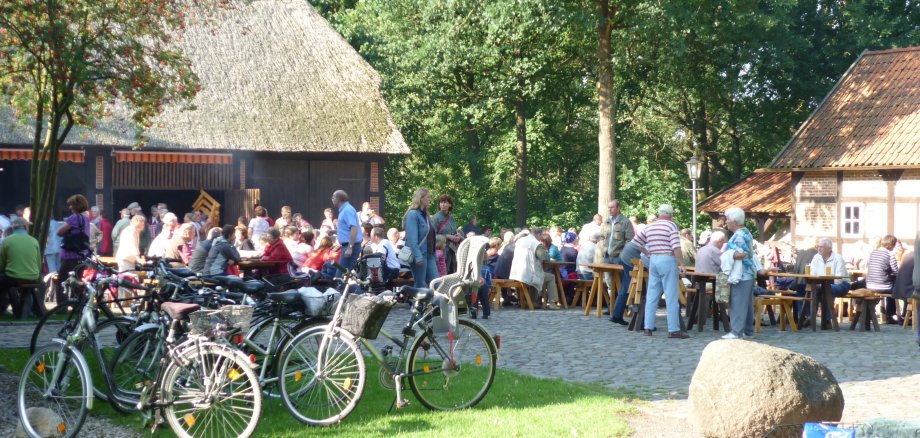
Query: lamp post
{"x": 694, "y": 167}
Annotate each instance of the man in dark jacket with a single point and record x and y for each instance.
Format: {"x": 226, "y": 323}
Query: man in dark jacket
{"x": 200, "y": 256}
{"x": 222, "y": 253}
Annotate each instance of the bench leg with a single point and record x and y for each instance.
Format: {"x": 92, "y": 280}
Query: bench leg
{"x": 758, "y": 314}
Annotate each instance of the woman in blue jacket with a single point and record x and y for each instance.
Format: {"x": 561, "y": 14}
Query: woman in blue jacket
{"x": 420, "y": 238}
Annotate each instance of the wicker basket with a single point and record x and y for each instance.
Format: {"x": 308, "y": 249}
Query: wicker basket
{"x": 212, "y": 322}
{"x": 364, "y": 315}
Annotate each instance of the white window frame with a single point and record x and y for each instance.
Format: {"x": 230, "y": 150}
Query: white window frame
{"x": 855, "y": 221}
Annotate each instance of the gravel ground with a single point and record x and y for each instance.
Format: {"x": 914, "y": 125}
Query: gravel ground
{"x": 94, "y": 426}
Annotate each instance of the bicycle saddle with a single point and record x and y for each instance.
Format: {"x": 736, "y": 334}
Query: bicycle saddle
{"x": 179, "y": 310}
{"x": 292, "y": 297}
{"x": 181, "y": 272}
{"x": 418, "y": 293}
{"x": 236, "y": 284}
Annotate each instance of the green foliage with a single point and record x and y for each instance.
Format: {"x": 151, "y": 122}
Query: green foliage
{"x": 730, "y": 81}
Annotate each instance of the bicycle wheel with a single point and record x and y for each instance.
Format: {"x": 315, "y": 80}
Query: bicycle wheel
{"x": 216, "y": 394}
{"x": 57, "y": 323}
{"x": 108, "y": 335}
{"x": 320, "y": 395}
{"x": 135, "y": 362}
{"x": 452, "y": 371}
{"x": 57, "y": 383}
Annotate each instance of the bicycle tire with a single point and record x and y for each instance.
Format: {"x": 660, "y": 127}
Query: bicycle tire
{"x": 327, "y": 397}
{"x": 34, "y": 387}
{"x": 239, "y": 391}
{"x": 135, "y": 362}
{"x": 441, "y": 386}
{"x": 108, "y": 335}
{"x": 48, "y": 328}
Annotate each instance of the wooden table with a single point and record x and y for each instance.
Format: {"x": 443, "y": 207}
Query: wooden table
{"x": 820, "y": 288}
{"x": 554, "y": 266}
{"x": 698, "y": 310}
{"x": 108, "y": 261}
{"x": 248, "y": 265}
{"x": 599, "y": 291}
{"x": 856, "y": 274}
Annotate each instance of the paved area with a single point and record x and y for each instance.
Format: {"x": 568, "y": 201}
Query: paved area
{"x": 878, "y": 372}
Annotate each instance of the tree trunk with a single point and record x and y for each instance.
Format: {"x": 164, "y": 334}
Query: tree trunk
{"x": 606, "y": 109}
{"x": 520, "y": 171}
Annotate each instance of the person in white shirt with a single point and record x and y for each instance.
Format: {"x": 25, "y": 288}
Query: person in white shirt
{"x": 383, "y": 246}
{"x": 158, "y": 246}
{"x": 298, "y": 249}
{"x": 828, "y": 262}
{"x": 258, "y": 226}
{"x": 591, "y": 228}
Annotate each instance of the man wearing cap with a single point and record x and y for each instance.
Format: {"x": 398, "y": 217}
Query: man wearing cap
{"x": 660, "y": 240}
{"x": 20, "y": 262}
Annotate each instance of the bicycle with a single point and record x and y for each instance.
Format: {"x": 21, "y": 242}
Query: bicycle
{"x": 448, "y": 363}
{"x": 201, "y": 383}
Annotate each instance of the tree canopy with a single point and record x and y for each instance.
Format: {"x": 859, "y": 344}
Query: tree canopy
{"x": 729, "y": 81}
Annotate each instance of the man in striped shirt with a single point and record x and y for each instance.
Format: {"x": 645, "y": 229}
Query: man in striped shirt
{"x": 660, "y": 240}
{"x": 881, "y": 274}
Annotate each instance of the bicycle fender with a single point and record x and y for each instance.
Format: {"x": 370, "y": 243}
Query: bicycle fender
{"x": 146, "y": 326}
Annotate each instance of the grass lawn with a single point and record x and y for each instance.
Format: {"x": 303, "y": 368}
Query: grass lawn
{"x": 517, "y": 405}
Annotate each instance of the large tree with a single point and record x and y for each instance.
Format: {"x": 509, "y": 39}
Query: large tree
{"x": 64, "y": 63}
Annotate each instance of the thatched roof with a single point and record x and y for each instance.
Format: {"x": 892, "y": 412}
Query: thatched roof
{"x": 275, "y": 76}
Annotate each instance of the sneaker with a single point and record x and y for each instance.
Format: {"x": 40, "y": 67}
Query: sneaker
{"x": 551, "y": 307}
{"x": 647, "y": 332}
{"x": 730, "y": 336}
{"x": 678, "y": 335}
{"x": 619, "y": 321}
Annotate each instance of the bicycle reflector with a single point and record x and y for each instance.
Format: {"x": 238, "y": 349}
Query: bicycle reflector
{"x": 234, "y": 374}
{"x": 498, "y": 341}
{"x": 237, "y": 339}
{"x": 40, "y": 368}
{"x": 61, "y": 428}
{"x": 189, "y": 419}
{"x": 252, "y": 358}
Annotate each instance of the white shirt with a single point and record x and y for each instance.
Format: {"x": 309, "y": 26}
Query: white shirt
{"x": 299, "y": 251}
{"x": 158, "y": 246}
{"x": 386, "y": 248}
{"x": 127, "y": 249}
{"x": 587, "y": 230}
{"x": 259, "y": 226}
{"x": 836, "y": 263}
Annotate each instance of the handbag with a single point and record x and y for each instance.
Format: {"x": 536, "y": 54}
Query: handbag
{"x": 76, "y": 240}
{"x": 405, "y": 255}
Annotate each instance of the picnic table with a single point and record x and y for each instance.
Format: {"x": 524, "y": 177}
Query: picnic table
{"x": 599, "y": 291}
{"x": 248, "y": 265}
{"x": 698, "y": 309}
{"x": 554, "y": 267}
{"x": 820, "y": 288}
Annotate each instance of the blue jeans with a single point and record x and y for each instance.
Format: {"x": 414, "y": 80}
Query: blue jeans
{"x": 619, "y": 308}
{"x": 350, "y": 262}
{"x": 662, "y": 277}
{"x": 422, "y": 275}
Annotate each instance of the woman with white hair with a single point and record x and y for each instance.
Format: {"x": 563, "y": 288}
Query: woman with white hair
{"x": 741, "y": 304}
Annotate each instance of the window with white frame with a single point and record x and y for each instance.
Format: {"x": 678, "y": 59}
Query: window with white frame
{"x": 851, "y": 215}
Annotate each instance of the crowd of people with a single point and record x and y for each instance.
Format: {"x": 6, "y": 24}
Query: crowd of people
{"x": 426, "y": 249}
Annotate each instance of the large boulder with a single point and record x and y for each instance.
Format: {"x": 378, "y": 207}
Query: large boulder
{"x": 43, "y": 420}
{"x": 744, "y": 389}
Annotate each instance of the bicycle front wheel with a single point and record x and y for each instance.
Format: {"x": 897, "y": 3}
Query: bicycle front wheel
{"x": 56, "y": 386}
{"x": 320, "y": 394}
{"x": 216, "y": 394}
{"x": 56, "y": 323}
{"x": 135, "y": 362}
{"x": 452, "y": 370}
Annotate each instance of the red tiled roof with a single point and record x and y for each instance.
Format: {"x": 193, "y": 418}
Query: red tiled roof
{"x": 870, "y": 119}
{"x": 761, "y": 192}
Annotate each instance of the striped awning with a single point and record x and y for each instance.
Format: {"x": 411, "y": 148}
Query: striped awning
{"x": 26, "y": 155}
{"x": 172, "y": 157}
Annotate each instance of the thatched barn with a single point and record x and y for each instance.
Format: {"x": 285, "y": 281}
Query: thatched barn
{"x": 288, "y": 112}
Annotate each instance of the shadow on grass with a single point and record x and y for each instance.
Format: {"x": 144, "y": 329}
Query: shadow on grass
{"x": 516, "y": 405}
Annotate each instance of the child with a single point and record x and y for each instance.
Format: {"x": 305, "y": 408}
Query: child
{"x": 439, "y": 242}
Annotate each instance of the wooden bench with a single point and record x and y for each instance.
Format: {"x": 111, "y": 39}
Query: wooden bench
{"x": 909, "y": 313}
{"x": 864, "y": 302}
{"x": 582, "y": 289}
{"x": 521, "y": 288}
{"x": 30, "y": 296}
{"x": 785, "y": 310}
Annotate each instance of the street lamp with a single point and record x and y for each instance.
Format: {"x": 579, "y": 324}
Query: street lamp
{"x": 694, "y": 167}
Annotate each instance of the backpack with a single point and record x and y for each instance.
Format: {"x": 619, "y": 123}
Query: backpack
{"x": 76, "y": 239}
{"x": 371, "y": 269}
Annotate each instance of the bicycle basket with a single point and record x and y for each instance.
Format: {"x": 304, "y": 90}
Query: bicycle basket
{"x": 210, "y": 322}
{"x": 364, "y": 315}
